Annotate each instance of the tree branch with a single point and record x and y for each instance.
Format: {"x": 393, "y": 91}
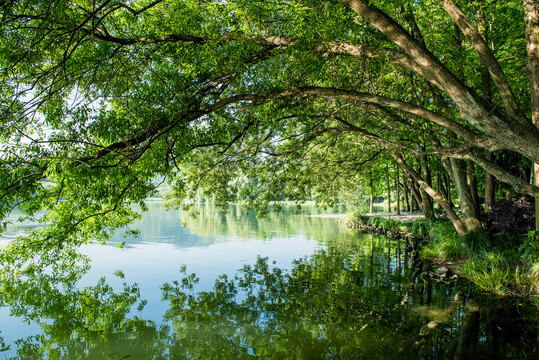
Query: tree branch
{"x": 520, "y": 185}
{"x": 487, "y": 57}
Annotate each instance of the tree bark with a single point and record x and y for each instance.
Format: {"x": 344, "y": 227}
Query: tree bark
{"x": 470, "y": 217}
{"x": 414, "y": 190}
{"x": 427, "y": 201}
{"x": 516, "y": 134}
{"x": 531, "y": 18}
{"x": 472, "y": 185}
{"x": 475, "y": 37}
{"x": 371, "y": 205}
{"x": 501, "y": 174}
{"x": 457, "y": 223}
{"x": 490, "y": 181}
{"x": 489, "y": 185}
{"x": 406, "y": 199}
{"x": 448, "y": 188}
{"x": 397, "y": 186}
{"x": 388, "y": 189}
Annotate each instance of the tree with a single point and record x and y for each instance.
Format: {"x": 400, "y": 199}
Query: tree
{"x": 99, "y": 98}
{"x": 531, "y": 10}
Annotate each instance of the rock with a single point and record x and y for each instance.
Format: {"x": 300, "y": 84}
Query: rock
{"x": 442, "y": 271}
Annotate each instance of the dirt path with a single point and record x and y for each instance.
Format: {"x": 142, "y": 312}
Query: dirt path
{"x": 403, "y": 216}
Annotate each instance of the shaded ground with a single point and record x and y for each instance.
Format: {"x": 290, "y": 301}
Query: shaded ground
{"x": 403, "y": 216}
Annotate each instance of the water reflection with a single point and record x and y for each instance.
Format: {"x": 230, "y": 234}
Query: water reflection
{"x": 351, "y": 300}
{"x": 212, "y": 225}
{"x": 289, "y": 221}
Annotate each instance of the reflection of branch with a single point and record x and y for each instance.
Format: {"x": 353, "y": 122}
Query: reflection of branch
{"x": 444, "y": 316}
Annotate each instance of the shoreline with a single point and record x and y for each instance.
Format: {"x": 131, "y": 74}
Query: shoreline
{"x": 403, "y": 216}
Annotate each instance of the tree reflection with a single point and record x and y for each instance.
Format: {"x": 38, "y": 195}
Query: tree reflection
{"x": 76, "y": 323}
{"x": 344, "y": 302}
{"x": 212, "y": 221}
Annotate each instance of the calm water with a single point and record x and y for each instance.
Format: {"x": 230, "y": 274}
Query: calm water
{"x": 227, "y": 285}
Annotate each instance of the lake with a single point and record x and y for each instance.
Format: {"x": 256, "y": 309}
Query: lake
{"x": 227, "y": 285}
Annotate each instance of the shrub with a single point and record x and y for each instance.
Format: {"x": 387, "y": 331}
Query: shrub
{"x": 356, "y": 217}
{"x": 512, "y": 216}
{"x": 530, "y": 247}
{"x": 387, "y": 224}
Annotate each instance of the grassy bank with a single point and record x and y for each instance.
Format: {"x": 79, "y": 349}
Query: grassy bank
{"x": 499, "y": 264}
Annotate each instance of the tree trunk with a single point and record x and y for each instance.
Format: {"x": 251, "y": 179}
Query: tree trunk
{"x": 531, "y": 18}
{"x": 414, "y": 190}
{"x": 398, "y": 190}
{"x": 427, "y": 201}
{"x": 439, "y": 187}
{"x": 406, "y": 199}
{"x": 489, "y": 185}
{"x": 371, "y": 205}
{"x": 388, "y": 190}
{"x": 472, "y": 185}
{"x": 469, "y": 215}
{"x": 456, "y": 171}
{"x": 415, "y": 195}
{"x": 514, "y": 132}
{"x": 447, "y": 179}
{"x": 457, "y": 223}
{"x": 487, "y": 95}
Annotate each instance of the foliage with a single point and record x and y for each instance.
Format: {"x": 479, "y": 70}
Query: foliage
{"x": 356, "y": 217}
{"x": 512, "y": 216}
{"x": 246, "y": 101}
{"x": 530, "y": 247}
{"x": 476, "y": 242}
{"x": 343, "y": 300}
{"x": 76, "y": 323}
{"x": 387, "y": 224}
{"x": 494, "y": 262}
{"x": 502, "y": 273}
{"x": 491, "y": 273}
{"x": 274, "y": 316}
{"x": 420, "y": 227}
{"x": 446, "y": 243}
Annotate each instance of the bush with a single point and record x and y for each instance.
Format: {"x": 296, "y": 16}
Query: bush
{"x": 530, "y": 247}
{"x": 512, "y": 216}
{"x": 356, "y": 217}
{"x": 387, "y": 224}
{"x": 498, "y": 263}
